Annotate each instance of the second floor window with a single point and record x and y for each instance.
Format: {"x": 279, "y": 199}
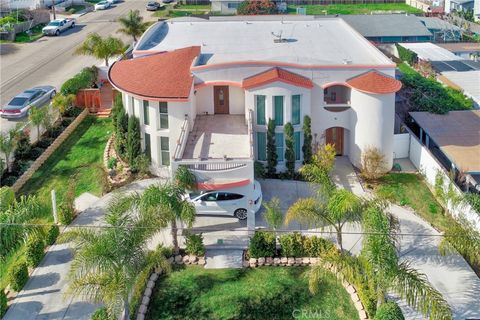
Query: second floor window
{"x": 260, "y": 104}
{"x": 296, "y": 109}
{"x": 163, "y": 115}
{"x": 146, "y": 116}
{"x": 278, "y": 110}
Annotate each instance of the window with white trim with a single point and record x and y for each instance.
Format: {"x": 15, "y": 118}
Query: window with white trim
{"x": 163, "y": 118}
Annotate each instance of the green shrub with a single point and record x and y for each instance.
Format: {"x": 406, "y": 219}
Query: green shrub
{"x": 23, "y": 148}
{"x": 3, "y": 302}
{"x": 292, "y": 245}
{"x": 101, "y": 314}
{"x": 34, "y": 250}
{"x": 406, "y": 55}
{"x": 474, "y": 200}
{"x": 133, "y": 141}
{"x": 83, "y": 79}
{"x": 111, "y": 163}
{"x": 65, "y": 214}
{"x": 194, "y": 244}
{"x": 142, "y": 165}
{"x": 18, "y": 276}
{"x": 259, "y": 170}
{"x": 389, "y": 311}
{"x": 138, "y": 289}
{"x": 316, "y": 246}
{"x": 52, "y": 234}
{"x": 262, "y": 244}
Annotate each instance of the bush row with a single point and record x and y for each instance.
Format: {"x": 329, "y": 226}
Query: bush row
{"x": 84, "y": 79}
{"x": 263, "y": 244}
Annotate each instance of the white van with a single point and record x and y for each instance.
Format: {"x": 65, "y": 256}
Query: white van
{"x": 235, "y": 202}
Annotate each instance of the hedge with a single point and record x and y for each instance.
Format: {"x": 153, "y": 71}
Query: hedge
{"x": 3, "y": 302}
{"x": 101, "y": 314}
{"x": 34, "y": 250}
{"x": 83, "y": 79}
{"x": 406, "y": 55}
{"x": 52, "y": 234}
{"x": 18, "y": 275}
{"x": 262, "y": 244}
{"x": 194, "y": 244}
{"x": 389, "y": 311}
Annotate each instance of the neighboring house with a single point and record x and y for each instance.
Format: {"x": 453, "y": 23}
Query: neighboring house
{"x": 389, "y": 28}
{"x": 465, "y": 50}
{"x": 458, "y": 5}
{"x": 476, "y": 10}
{"x": 30, "y": 4}
{"x": 225, "y": 6}
{"x": 468, "y": 82}
{"x": 204, "y": 91}
{"x": 442, "y": 30}
{"x": 453, "y": 138}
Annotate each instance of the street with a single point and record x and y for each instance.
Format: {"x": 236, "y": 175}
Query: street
{"x": 50, "y": 60}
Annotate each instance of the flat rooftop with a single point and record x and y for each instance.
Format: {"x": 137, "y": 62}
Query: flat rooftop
{"x": 457, "y": 133}
{"x": 431, "y": 52}
{"x": 216, "y": 136}
{"x": 329, "y": 41}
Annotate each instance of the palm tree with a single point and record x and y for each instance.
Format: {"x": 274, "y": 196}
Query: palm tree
{"x": 339, "y": 207}
{"x": 381, "y": 268}
{"x": 7, "y": 145}
{"x": 107, "y": 261}
{"x": 37, "y": 118}
{"x": 63, "y": 102}
{"x": 132, "y": 24}
{"x": 463, "y": 238}
{"x": 100, "y": 48}
{"x": 273, "y": 213}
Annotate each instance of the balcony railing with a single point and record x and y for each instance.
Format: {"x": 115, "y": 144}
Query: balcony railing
{"x": 250, "y": 131}
{"x": 182, "y": 140}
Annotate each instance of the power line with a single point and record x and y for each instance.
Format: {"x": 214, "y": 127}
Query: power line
{"x": 29, "y": 225}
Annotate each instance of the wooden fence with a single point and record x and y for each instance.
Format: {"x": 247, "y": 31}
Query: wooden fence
{"x": 47, "y": 153}
{"x": 90, "y": 99}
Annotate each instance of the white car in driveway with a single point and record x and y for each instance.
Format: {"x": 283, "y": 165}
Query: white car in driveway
{"x": 55, "y": 27}
{"x": 235, "y": 202}
{"x": 102, "y": 5}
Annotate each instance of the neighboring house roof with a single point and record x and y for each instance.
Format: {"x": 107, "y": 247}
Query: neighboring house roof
{"x": 276, "y": 74}
{"x": 460, "y": 46}
{"x": 457, "y": 133}
{"x": 292, "y": 42}
{"x": 164, "y": 75}
{"x": 430, "y": 52}
{"x": 375, "y": 82}
{"x": 433, "y": 23}
{"x": 387, "y": 25}
{"x": 468, "y": 81}
{"x": 455, "y": 65}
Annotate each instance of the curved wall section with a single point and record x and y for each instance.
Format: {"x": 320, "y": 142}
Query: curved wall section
{"x": 372, "y": 125}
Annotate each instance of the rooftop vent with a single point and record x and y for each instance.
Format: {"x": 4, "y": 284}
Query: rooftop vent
{"x": 278, "y": 37}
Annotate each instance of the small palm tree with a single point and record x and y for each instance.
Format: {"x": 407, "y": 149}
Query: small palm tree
{"x": 273, "y": 213}
{"x": 7, "y": 145}
{"x": 132, "y": 24}
{"x": 100, "y": 48}
{"x": 62, "y": 103}
{"x": 37, "y": 117}
{"x": 339, "y": 207}
{"x": 107, "y": 261}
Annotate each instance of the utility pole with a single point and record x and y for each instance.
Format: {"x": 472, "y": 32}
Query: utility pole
{"x": 53, "y": 9}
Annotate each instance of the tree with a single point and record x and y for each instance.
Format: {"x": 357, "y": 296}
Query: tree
{"x": 271, "y": 149}
{"x": 117, "y": 107}
{"x": 320, "y": 167}
{"x": 289, "y": 150}
{"x": 100, "y": 48}
{"x": 463, "y": 238}
{"x": 63, "y": 103}
{"x": 7, "y": 145}
{"x": 134, "y": 147}
{"x": 166, "y": 203}
{"x": 273, "y": 213}
{"x": 334, "y": 208}
{"x": 307, "y": 140}
{"x": 107, "y": 261}
{"x": 256, "y": 7}
{"x": 132, "y": 24}
{"x": 37, "y": 117}
{"x": 121, "y": 129}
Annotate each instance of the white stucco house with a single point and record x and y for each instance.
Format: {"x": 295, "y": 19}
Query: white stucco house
{"x": 205, "y": 89}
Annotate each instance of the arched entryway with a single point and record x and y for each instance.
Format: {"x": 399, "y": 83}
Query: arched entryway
{"x": 336, "y": 136}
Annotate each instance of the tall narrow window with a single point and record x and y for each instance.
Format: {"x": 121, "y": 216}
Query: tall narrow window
{"x": 261, "y": 146}
{"x": 132, "y": 103}
{"x": 163, "y": 115}
{"x": 279, "y": 145}
{"x": 146, "y": 116}
{"x": 164, "y": 151}
{"x": 296, "y": 109}
{"x": 296, "y": 142}
{"x": 278, "y": 109}
{"x": 148, "y": 148}
{"x": 260, "y": 105}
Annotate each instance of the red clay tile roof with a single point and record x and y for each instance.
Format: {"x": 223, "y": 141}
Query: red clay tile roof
{"x": 375, "y": 82}
{"x": 276, "y": 74}
{"x": 164, "y": 75}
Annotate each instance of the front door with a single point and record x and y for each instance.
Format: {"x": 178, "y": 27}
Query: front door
{"x": 220, "y": 100}
{"x": 335, "y": 136}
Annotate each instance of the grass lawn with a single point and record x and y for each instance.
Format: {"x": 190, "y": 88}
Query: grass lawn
{"x": 354, "y": 8}
{"x": 410, "y": 189}
{"x": 76, "y": 8}
{"x": 183, "y": 11}
{"x": 77, "y": 155}
{"x": 262, "y": 293}
{"x": 36, "y": 33}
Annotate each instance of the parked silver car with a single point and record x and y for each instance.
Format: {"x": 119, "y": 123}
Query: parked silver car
{"x": 20, "y": 104}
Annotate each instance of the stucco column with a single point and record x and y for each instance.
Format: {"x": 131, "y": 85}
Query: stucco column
{"x": 251, "y": 220}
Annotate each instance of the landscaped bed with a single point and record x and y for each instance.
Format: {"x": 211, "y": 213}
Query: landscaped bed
{"x": 354, "y": 8}
{"x": 261, "y": 293}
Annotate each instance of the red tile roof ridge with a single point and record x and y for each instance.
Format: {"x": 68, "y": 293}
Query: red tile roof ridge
{"x": 374, "y": 82}
{"x": 276, "y": 74}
